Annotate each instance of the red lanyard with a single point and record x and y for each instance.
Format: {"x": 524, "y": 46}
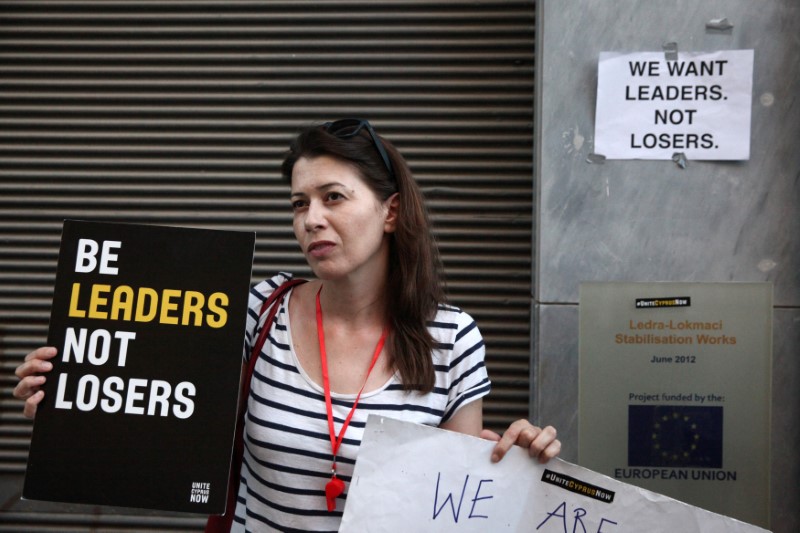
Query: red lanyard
{"x": 335, "y": 486}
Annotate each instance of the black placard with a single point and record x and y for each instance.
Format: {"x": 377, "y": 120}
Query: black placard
{"x": 140, "y": 407}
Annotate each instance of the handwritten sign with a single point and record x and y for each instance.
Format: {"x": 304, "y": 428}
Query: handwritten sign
{"x": 140, "y": 407}
{"x": 651, "y": 107}
{"x": 410, "y": 477}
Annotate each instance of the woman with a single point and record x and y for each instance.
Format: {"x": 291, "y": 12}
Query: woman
{"x": 370, "y": 334}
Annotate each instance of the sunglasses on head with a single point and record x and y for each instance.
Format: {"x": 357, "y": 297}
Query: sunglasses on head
{"x": 350, "y": 127}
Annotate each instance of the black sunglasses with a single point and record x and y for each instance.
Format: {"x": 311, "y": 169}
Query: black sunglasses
{"x": 350, "y": 127}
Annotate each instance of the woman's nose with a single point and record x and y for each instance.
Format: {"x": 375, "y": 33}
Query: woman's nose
{"x": 315, "y": 216}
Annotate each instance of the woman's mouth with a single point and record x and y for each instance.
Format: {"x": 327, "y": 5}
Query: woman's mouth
{"x": 319, "y": 249}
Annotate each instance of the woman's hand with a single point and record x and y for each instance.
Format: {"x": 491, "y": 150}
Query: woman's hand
{"x": 541, "y": 444}
{"x": 30, "y": 380}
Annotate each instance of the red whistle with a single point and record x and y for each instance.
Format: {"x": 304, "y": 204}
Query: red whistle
{"x": 333, "y": 489}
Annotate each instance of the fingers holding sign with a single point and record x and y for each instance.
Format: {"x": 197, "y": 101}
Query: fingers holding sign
{"x": 31, "y": 380}
{"x": 541, "y": 443}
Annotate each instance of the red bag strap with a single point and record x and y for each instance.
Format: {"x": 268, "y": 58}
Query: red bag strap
{"x": 222, "y": 523}
{"x": 274, "y": 298}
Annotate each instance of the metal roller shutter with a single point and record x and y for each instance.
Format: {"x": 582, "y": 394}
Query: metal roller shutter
{"x": 178, "y": 112}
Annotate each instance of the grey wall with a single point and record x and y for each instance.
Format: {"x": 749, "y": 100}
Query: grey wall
{"x": 653, "y": 221}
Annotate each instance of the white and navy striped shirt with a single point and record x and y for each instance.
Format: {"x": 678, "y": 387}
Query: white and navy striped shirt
{"x": 287, "y": 458}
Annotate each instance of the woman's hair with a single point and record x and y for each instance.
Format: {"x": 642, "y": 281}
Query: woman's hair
{"x": 415, "y": 287}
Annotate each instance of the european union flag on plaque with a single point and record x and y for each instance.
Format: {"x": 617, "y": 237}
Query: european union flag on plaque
{"x": 675, "y": 436}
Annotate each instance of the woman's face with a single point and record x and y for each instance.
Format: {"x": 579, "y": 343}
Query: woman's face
{"x": 339, "y": 222}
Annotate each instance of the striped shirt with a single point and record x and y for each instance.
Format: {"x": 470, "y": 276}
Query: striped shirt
{"x": 287, "y": 457}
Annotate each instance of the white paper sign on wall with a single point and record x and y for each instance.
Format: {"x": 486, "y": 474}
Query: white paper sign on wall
{"x": 699, "y": 104}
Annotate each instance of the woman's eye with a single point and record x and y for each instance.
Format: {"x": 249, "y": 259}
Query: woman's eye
{"x": 298, "y": 204}
{"x": 334, "y": 196}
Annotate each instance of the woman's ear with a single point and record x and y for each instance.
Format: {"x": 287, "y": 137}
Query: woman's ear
{"x": 391, "y": 205}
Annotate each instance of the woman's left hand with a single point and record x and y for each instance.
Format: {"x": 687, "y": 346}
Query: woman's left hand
{"x": 541, "y": 444}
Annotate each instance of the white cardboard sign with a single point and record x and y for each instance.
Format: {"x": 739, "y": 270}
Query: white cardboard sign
{"x": 410, "y": 477}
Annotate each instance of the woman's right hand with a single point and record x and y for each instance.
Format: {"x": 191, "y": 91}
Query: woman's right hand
{"x": 30, "y": 378}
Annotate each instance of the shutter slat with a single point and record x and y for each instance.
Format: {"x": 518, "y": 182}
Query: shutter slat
{"x": 178, "y": 113}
